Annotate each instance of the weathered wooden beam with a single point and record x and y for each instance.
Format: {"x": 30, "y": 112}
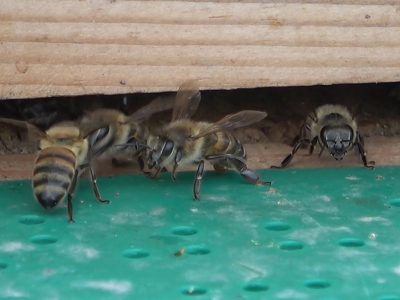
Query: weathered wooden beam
{"x": 70, "y": 47}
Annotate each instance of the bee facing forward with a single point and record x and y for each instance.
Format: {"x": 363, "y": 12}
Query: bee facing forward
{"x": 184, "y": 141}
{"x": 64, "y": 153}
{"x": 335, "y": 129}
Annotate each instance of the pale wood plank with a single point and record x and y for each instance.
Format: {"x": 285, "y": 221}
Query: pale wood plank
{"x": 110, "y": 75}
{"x": 263, "y": 13}
{"x": 177, "y": 34}
{"x": 238, "y": 55}
{"x": 79, "y": 47}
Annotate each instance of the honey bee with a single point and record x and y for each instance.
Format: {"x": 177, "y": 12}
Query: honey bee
{"x": 184, "y": 141}
{"x": 123, "y": 134}
{"x": 335, "y": 129}
{"x": 64, "y": 153}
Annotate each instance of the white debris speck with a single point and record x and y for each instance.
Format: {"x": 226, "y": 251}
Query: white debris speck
{"x": 215, "y": 198}
{"x": 281, "y": 202}
{"x": 352, "y": 178}
{"x": 324, "y": 198}
{"x": 396, "y": 270}
{"x": 373, "y": 219}
{"x": 12, "y": 293}
{"x": 372, "y": 236}
{"x": 291, "y": 294}
{"x": 15, "y": 246}
{"x": 81, "y": 253}
{"x": 158, "y": 211}
{"x": 117, "y": 287}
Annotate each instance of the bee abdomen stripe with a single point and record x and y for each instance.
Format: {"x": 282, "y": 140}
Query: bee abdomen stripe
{"x": 223, "y": 141}
{"x": 48, "y": 181}
{"x": 63, "y": 158}
{"x": 58, "y": 169}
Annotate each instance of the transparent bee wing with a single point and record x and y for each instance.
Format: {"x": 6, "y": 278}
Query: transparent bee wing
{"x": 159, "y": 104}
{"x": 240, "y": 119}
{"x": 186, "y": 101}
{"x": 34, "y": 132}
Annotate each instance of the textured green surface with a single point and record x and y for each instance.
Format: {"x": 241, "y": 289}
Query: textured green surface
{"x": 315, "y": 234}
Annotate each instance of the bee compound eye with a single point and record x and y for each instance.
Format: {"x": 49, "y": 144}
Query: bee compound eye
{"x": 168, "y": 147}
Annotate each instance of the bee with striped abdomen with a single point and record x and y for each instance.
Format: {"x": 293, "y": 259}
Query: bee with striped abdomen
{"x": 335, "y": 129}
{"x": 64, "y": 153}
{"x": 184, "y": 141}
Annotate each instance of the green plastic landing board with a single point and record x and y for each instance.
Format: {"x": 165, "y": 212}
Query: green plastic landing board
{"x": 314, "y": 234}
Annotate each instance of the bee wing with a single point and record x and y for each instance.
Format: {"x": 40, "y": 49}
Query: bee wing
{"x": 34, "y": 132}
{"x": 186, "y": 101}
{"x": 159, "y": 104}
{"x": 240, "y": 119}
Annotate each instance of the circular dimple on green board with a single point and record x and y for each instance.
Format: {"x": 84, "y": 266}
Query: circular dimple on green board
{"x": 290, "y": 245}
{"x": 31, "y": 220}
{"x": 395, "y": 202}
{"x": 3, "y": 265}
{"x": 197, "y": 250}
{"x": 193, "y": 290}
{"x": 317, "y": 283}
{"x": 351, "y": 242}
{"x": 256, "y": 287}
{"x": 277, "y": 226}
{"x": 43, "y": 239}
{"x": 154, "y": 240}
{"x": 135, "y": 253}
{"x": 184, "y": 230}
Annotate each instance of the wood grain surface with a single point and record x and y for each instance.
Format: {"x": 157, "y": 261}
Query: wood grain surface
{"x": 66, "y": 47}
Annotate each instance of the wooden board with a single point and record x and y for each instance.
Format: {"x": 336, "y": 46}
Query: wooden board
{"x": 384, "y": 151}
{"x": 66, "y": 47}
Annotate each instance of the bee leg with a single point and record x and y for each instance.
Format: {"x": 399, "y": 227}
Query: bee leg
{"x": 150, "y": 175}
{"x": 71, "y": 194}
{"x": 360, "y": 145}
{"x": 139, "y": 157}
{"x": 240, "y": 166}
{"x": 252, "y": 177}
{"x": 289, "y": 158}
{"x": 313, "y": 143}
{"x": 320, "y": 152}
{"x": 95, "y": 189}
{"x": 302, "y": 134}
{"x": 197, "y": 182}
{"x": 248, "y": 174}
{"x": 178, "y": 157}
{"x": 141, "y": 164}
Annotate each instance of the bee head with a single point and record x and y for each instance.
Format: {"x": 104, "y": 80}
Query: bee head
{"x": 337, "y": 139}
{"x": 159, "y": 150}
